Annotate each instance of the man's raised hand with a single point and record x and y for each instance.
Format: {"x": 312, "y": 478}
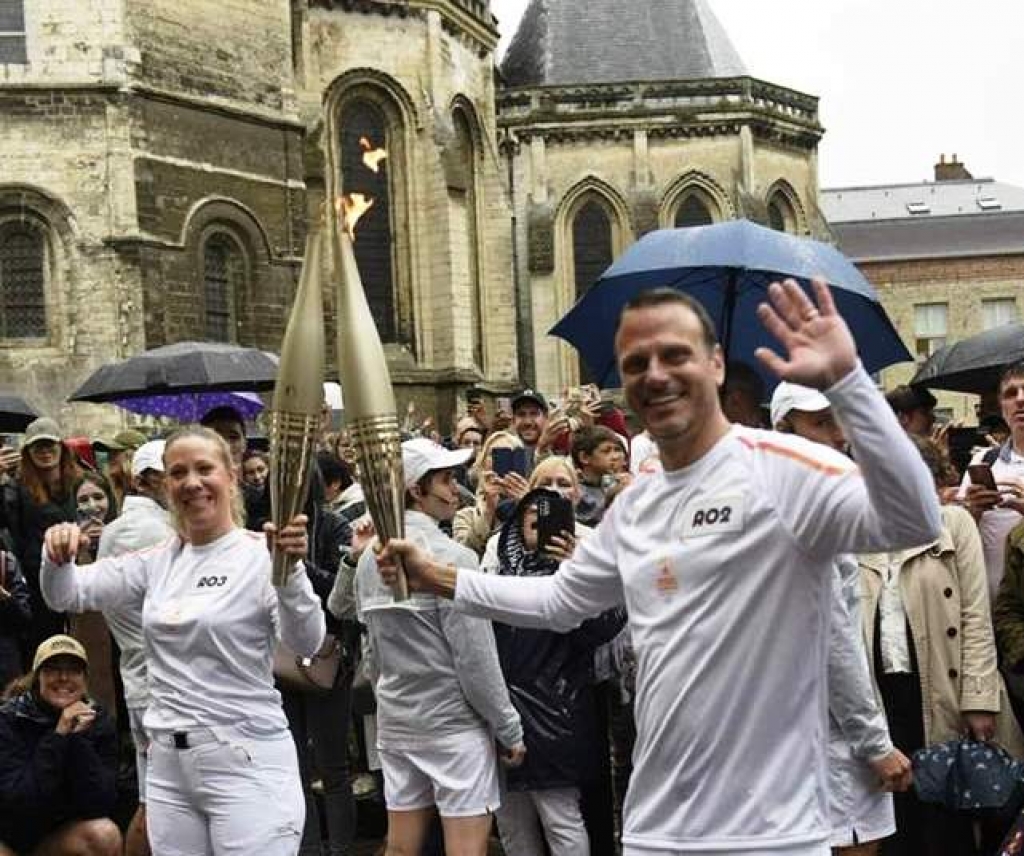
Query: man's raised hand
{"x": 820, "y": 349}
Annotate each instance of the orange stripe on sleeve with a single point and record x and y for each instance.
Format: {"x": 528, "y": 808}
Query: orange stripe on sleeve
{"x": 793, "y": 455}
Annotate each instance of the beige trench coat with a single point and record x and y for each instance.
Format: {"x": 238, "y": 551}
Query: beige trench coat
{"x": 945, "y": 595}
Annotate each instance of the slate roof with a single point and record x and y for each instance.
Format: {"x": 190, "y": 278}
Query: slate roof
{"x": 575, "y": 42}
{"x": 927, "y": 220}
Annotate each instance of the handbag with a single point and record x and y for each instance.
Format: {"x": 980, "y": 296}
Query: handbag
{"x": 967, "y": 775}
{"x": 316, "y": 674}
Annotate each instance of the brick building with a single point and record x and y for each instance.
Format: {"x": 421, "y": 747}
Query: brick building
{"x": 947, "y": 258}
{"x": 160, "y": 161}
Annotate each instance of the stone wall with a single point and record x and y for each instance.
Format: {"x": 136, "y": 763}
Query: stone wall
{"x": 418, "y": 67}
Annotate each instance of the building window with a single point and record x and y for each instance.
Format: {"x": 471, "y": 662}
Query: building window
{"x": 462, "y": 202}
{"x": 12, "y": 32}
{"x": 364, "y": 132}
{"x": 693, "y": 212}
{"x": 223, "y": 281}
{"x": 592, "y": 252}
{"x": 997, "y": 312}
{"x": 23, "y": 258}
{"x": 930, "y": 328}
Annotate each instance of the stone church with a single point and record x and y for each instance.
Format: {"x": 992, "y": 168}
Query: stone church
{"x": 161, "y": 161}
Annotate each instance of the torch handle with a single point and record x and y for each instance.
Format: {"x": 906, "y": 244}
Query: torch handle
{"x": 400, "y": 590}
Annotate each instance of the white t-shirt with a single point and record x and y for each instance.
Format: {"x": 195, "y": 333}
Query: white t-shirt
{"x": 211, "y": 620}
{"x": 725, "y": 567}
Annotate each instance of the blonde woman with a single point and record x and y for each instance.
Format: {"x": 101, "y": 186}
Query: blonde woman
{"x": 550, "y": 680}
{"x": 223, "y": 775}
{"x": 474, "y": 525}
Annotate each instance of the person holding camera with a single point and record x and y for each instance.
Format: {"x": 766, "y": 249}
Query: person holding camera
{"x": 441, "y": 700}
{"x": 58, "y": 757}
{"x": 549, "y": 676}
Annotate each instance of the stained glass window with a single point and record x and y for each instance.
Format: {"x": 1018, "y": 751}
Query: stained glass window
{"x": 22, "y": 281}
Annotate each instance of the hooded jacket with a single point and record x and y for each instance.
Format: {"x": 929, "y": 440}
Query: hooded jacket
{"x": 48, "y": 779}
{"x": 550, "y": 676}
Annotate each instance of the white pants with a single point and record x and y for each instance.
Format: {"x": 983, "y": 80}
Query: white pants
{"x": 227, "y": 795}
{"x": 558, "y": 813}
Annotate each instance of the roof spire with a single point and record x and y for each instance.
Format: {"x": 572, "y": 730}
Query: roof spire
{"x": 573, "y": 42}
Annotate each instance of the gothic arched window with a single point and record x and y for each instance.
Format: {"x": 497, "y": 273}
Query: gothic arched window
{"x": 692, "y": 212}
{"x": 592, "y": 252}
{"x": 224, "y": 274}
{"x": 462, "y": 202}
{"x": 363, "y": 133}
{"x": 23, "y": 264}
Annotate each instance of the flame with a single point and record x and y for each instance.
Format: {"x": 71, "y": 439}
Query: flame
{"x": 371, "y": 156}
{"x": 352, "y": 207}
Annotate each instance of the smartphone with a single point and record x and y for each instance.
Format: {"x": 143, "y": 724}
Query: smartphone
{"x": 474, "y": 396}
{"x": 981, "y": 474}
{"x": 554, "y": 516}
{"x": 505, "y": 461}
{"x": 505, "y": 404}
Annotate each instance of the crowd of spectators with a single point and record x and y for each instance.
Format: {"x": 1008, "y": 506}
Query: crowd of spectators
{"x": 938, "y": 629}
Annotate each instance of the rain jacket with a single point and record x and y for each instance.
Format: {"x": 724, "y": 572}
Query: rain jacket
{"x": 48, "y": 779}
{"x": 550, "y": 677}
{"x": 15, "y": 617}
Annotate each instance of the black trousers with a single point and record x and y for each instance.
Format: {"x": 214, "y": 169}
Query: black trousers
{"x": 922, "y": 829}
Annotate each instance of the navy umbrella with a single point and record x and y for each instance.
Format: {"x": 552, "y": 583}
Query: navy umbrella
{"x": 15, "y": 413}
{"x": 728, "y": 268}
{"x": 184, "y": 367}
{"x": 973, "y": 364}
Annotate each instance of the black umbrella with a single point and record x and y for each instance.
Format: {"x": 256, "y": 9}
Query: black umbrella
{"x": 973, "y": 364}
{"x": 15, "y": 413}
{"x": 181, "y": 368}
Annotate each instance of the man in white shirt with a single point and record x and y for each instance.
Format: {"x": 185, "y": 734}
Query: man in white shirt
{"x": 999, "y": 511}
{"x": 724, "y": 562}
{"x": 861, "y": 754}
{"x": 143, "y": 523}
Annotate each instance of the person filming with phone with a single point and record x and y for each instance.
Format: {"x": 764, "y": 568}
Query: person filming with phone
{"x": 993, "y": 487}
{"x": 549, "y": 675}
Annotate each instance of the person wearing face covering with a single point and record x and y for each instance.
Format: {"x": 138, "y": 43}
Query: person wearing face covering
{"x": 550, "y": 680}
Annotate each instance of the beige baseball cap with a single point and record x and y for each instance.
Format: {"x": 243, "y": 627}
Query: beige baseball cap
{"x": 58, "y": 646}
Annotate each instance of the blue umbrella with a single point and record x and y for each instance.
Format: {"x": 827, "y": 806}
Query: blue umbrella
{"x": 728, "y": 268}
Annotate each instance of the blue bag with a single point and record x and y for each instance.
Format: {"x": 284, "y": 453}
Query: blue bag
{"x": 967, "y": 775}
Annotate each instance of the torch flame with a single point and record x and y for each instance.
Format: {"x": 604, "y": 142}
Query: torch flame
{"x": 352, "y": 207}
{"x": 371, "y": 156}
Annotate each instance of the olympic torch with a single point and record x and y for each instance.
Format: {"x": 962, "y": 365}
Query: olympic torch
{"x": 298, "y": 397}
{"x": 370, "y": 413}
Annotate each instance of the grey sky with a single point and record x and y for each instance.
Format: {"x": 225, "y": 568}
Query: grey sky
{"x": 900, "y": 82}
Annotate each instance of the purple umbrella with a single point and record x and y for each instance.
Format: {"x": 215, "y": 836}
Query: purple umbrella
{"x": 192, "y": 406}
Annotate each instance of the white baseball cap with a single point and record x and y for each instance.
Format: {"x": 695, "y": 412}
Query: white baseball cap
{"x": 421, "y": 456}
{"x": 149, "y": 456}
{"x": 791, "y": 396}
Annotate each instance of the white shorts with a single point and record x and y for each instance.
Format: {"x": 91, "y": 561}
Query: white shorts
{"x": 141, "y": 742}
{"x": 458, "y": 774}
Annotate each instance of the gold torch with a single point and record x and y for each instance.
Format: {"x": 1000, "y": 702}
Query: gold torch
{"x": 298, "y": 397}
{"x": 370, "y": 413}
